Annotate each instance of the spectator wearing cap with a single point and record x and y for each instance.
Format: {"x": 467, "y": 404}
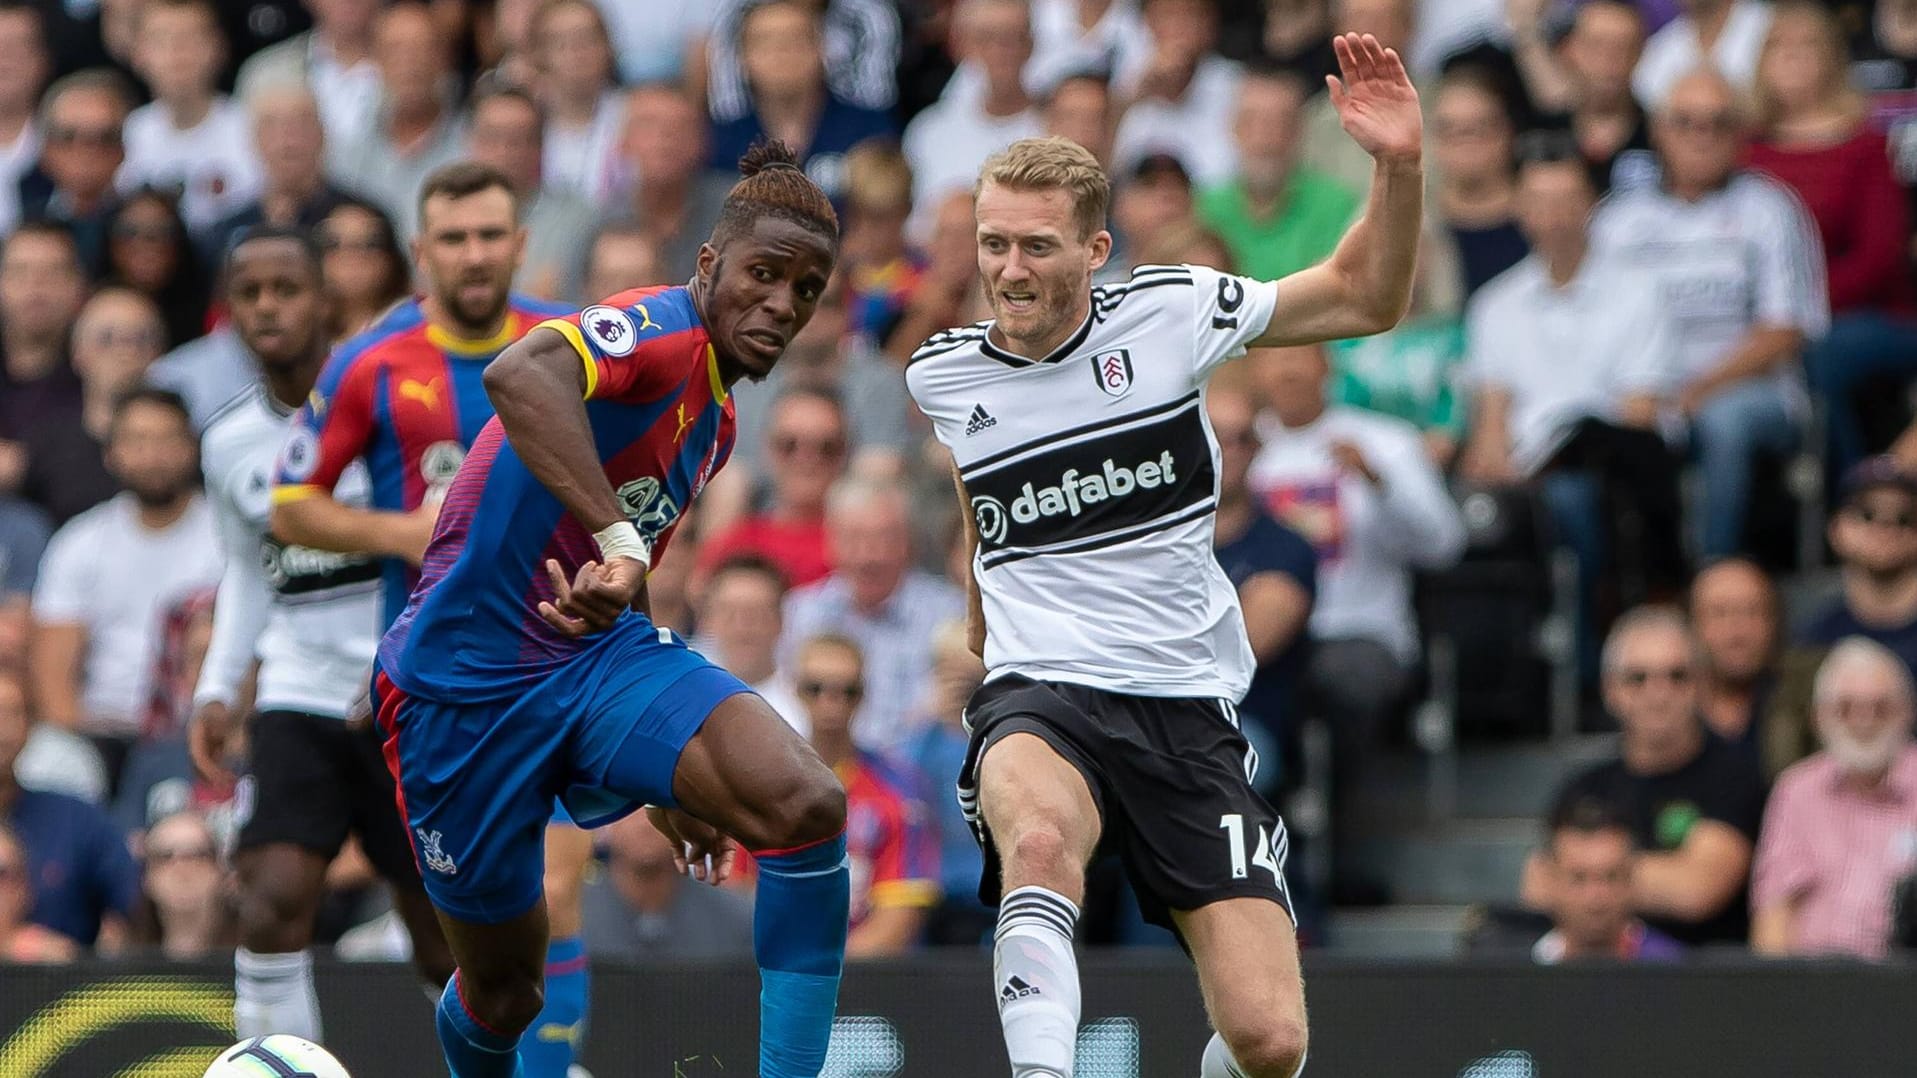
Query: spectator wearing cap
{"x": 1151, "y": 199}
{"x": 641, "y": 908}
{"x": 946, "y": 143}
{"x": 675, "y": 199}
{"x": 1080, "y": 108}
{"x": 1815, "y": 135}
{"x": 1874, "y": 535}
{"x": 24, "y": 67}
{"x": 1740, "y": 273}
{"x": 415, "y": 128}
{"x": 1277, "y": 215}
{"x": 1694, "y": 803}
{"x": 1181, "y": 100}
{"x": 877, "y": 597}
{"x": 857, "y": 39}
{"x": 335, "y": 59}
{"x": 1723, "y": 35}
{"x": 1840, "y": 832}
{"x": 1588, "y": 859}
{"x": 290, "y": 139}
{"x": 82, "y": 148}
{"x": 1734, "y": 611}
{"x": 506, "y": 129}
{"x": 77, "y": 869}
{"x": 1568, "y": 356}
{"x": 782, "y": 52}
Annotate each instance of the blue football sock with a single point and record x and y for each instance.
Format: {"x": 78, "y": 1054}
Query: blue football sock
{"x": 472, "y": 1050}
{"x": 798, "y": 936}
{"x": 549, "y": 1045}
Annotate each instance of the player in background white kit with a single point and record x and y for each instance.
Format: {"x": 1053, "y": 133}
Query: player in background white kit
{"x": 1115, "y": 648}
{"x": 311, "y": 619}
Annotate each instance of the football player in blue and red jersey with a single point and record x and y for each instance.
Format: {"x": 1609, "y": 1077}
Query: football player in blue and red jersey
{"x": 406, "y": 397}
{"x": 526, "y": 666}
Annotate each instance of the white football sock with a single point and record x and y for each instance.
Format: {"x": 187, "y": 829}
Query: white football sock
{"x": 1036, "y": 978}
{"x": 273, "y": 993}
{"x": 1218, "y": 1063}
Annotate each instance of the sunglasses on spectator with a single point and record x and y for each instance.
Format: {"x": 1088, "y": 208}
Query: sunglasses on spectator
{"x": 1638, "y": 676}
{"x": 157, "y": 232}
{"x": 1703, "y": 123}
{"x": 850, "y": 691}
{"x": 104, "y": 138}
{"x": 330, "y": 242}
{"x": 161, "y": 855}
{"x": 1900, "y": 519}
{"x": 788, "y": 445}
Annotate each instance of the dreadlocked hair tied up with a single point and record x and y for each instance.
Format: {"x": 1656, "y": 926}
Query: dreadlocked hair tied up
{"x": 772, "y": 184}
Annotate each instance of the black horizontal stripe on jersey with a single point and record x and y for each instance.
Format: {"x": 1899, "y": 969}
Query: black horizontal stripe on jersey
{"x": 1125, "y": 479}
{"x": 1096, "y": 542}
{"x": 929, "y": 349}
{"x": 1108, "y": 297}
{"x": 1051, "y": 441}
{"x": 296, "y": 572}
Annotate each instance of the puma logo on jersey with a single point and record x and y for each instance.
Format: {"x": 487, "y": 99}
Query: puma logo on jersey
{"x": 979, "y": 420}
{"x": 684, "y": 424}
{"x": 425, "y": 393}
{"x": 1071, "y": 494}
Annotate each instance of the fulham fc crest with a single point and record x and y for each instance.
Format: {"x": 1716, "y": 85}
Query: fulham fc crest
{"x": 1114, "y": 372}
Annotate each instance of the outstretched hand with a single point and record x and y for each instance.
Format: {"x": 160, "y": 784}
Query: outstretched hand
{"x": 1375, "y": 100}
{"x": 596, "y": 596}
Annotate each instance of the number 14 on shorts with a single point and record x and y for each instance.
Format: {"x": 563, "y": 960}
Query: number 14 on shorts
{"x": 1259, "y": 852}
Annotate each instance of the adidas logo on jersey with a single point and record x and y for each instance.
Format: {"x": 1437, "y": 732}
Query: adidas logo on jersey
{"x": 979, "y": 421}
{"x": 1075, "y": 491}
{"x": 1015, "y": 988}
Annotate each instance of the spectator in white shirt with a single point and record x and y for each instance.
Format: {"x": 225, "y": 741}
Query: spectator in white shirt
{"x": 741, "y": 618}
{"x": 506, "y": 129}
{"x": 861, "y": 44}
{"x": 992, "y": 40}
{"x": 1569, "y": 356}
{"x": 1359, "y": 487}
{"x": 191, "y": 138}
{"x": 1740, "y": 272}
{"x": 1726, "y": 35}
{"x": 1183, "y": 98}
{"x": 579, "y": 87}
{"x": 111, "y": 573}
{"x": 24, "y": 67}
{"x": 334, "y": 59}
{"x": 876, "y": 597}
{"x": 664, "y": 43}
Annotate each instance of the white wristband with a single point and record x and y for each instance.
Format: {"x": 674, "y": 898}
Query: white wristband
{"x": 621, "y": 540}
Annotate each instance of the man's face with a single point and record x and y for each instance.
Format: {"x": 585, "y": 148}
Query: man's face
{"x": 1036, "y": 263}
{"x": 741, "y": 614}
{"x": 41, "y": 286}
{"x": 23, "y": 60}
{"x": 83, "y": 148}
{"x": 780, "y": 50}
{"x": 665, "y": 136}
{"x": 1735, "y": 619}
{"x": 1293, "y": 379}
{"x": 178, "y": 51}
{"x": 1148, "y": 204}
{"x": 1266, "y": 129}
{"x": 620, "y": 261}
{"x": 1651, "y": 689}
{"x": 831, "y": 684}
{"x": 1081, "y": 110}
{"x": 805, "y": 445}
{"x": 761, "y": 290}
{"x": 1602, "y": 50}
{"x": 871, "y": 547}
{"x": 1876, "y": 531}
{"x": 278, "y": 306}
{"x": 998, "y": 38}
{"x": 506, "y": 135}
{"x": 1183, "y": 28}
{"x": 411, "y": 56}
{"x": 1593, "y": 870}
{"x": 116, "y": 338}
{"x": 1471, "y": 135}
{"x": 571, "y": 49}
{"x": 1554, "y": 204}
{"x": 1233, "y": 423}
{"x": 291, "y": 141}
{"x": 1697, "y": 132}
{"x": 152, "y": 453}
{"x": 1863, "y": 717}
{"x": 467, "y": 252}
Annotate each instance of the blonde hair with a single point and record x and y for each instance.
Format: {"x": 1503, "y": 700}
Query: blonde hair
{"x": 878, "y": 179}
{"x": 1053, "y": 164}
{"x": 1837, "y": 87}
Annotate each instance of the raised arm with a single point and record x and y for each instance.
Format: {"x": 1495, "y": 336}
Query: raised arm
{"x": 1365, "y": 286}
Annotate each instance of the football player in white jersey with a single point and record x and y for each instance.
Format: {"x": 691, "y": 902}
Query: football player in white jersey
{"x": 1087, "y": 474}
{"x": 311, "y": 618}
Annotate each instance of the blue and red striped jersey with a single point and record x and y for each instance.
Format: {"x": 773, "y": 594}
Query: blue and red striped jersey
{"x": 663, "y": 425}
{"x": 405, "y": 395}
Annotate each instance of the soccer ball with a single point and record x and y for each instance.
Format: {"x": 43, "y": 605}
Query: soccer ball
{"x": 281, "y": 1055}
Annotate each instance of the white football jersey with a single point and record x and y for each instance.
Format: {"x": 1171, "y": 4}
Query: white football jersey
{"x": 311, "y": 617}
{"x": 1093, "y": 480}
